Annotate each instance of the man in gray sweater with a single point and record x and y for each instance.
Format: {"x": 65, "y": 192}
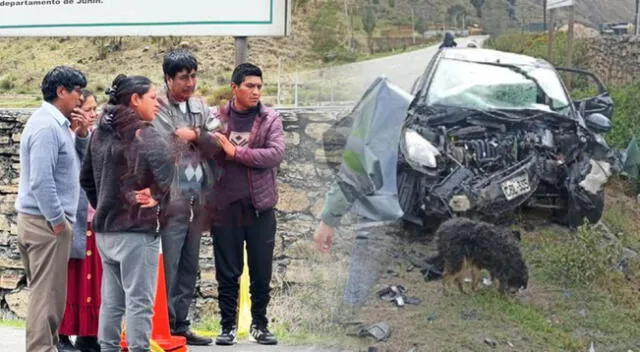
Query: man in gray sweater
{"x": 48, "y": 199}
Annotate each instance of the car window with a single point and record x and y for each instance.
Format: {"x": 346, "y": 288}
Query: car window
{"x": 485, "y": 86}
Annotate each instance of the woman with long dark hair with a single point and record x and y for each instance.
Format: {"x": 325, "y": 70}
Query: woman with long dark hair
{"x": 84, "y": 274}
{"x": 126, "y": 174}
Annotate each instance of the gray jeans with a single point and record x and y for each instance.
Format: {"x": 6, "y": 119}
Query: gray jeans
{"x": 130, "y": 270}
{"x": 181, "y": 251}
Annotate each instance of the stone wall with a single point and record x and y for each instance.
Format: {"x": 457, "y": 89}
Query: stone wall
{"x": 616, "y": 59}
{"x": 303, "y": 180}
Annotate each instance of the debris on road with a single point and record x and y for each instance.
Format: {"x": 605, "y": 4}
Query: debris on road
{"x": 490, "y": 342}
{"x": 396, "y": 294}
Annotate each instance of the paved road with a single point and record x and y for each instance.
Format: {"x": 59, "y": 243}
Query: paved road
{"x": 402, "y": 70}
{"x": 12, "y": 340}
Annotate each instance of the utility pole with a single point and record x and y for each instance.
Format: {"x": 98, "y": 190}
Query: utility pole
{"x": 570, "y": 44}
{"x": 444, "y": 22}
{"x": 346, "y": 13}
{"x": 413, "y": 27}
{"x": 544, "y": 13}
{"x": 552, "y": 15}
{"x": 636, "y": 30}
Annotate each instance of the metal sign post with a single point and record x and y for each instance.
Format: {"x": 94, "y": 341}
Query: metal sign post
{"x": 241, "y": 50}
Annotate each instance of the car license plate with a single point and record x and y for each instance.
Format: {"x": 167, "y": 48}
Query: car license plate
{"x": 516, "y": 186}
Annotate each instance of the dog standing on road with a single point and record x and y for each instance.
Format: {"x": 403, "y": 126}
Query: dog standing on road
{"x": 464, "y": 243}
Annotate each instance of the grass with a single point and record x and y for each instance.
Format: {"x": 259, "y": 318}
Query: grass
{"x": 13, "y": 323}
{"x": 569, "y": 304}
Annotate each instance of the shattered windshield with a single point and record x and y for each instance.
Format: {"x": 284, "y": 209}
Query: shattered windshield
{"x": 491, "y": 86}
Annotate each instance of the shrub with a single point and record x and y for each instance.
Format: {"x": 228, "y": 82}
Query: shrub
{"x": 626, "y": 116}
{"x": 536, "y": 45}
{"x": 219, "y": 95}
{"x": 7, "y": 83}
{"x": 582, "y": 259}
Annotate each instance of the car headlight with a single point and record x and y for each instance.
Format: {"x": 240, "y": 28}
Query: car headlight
{"x": 419, "y": 150}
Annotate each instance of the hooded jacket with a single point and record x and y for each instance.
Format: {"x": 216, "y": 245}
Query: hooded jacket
{"x": 449, "y": 41}
{"x": 126, "y": 154}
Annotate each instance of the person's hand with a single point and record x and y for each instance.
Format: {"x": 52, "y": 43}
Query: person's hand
{"x": 143, "y": 197}
{"x": 80, "y": 122}
{"x": 59, "y": 228}
{"x": 227, "y": 146}
{"x": 188, "y": 134}
{"x": 323, "y": 238}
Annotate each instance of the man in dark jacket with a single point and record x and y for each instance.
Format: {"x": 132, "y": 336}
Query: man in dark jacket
{"x": 179, "y": 109}
{"x": 245, "y": 197}
{"x": 448, "y": 41}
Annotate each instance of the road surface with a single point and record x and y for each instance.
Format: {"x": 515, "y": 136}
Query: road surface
{"x": 13, "y": 341}
{"x": 402, "y": 69}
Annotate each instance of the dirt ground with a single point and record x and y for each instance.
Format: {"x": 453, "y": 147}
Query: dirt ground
{"x": 546, "y": 316}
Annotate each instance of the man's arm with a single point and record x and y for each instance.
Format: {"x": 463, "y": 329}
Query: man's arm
{"x": 156, "y": 153}
{"x": 337, "y": 203}
{"x": 338, "y": 200}
{"x": 271, "y": 155}
{"x": 43, "y": 158}
{"x": 87, "y": 182}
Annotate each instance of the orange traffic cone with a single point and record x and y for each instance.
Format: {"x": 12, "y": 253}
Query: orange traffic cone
{"x": 160, "y": 330}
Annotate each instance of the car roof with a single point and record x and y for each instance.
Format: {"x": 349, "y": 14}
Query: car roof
{"x": 492, "y": 56}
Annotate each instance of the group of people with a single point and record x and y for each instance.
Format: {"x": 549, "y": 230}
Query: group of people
{"x": 99, "y": 195}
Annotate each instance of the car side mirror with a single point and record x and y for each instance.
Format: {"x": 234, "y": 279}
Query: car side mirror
{"x": 602, "y": 104}
{"x": 598, "y": 123}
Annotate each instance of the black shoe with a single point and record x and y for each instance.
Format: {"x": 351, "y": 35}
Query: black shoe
{"x": 227, "y": 337}
{"x": 64, "y": 345}
{"x": 87, "y": 344}
{"x": 263, "y": 336}
{"x": 193, "y": 339}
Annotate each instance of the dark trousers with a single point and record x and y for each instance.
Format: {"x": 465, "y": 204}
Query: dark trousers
{"x": 181, "y": 252}
{"x": 258, "y": 230}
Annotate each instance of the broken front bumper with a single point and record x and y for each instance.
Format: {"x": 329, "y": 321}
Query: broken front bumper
{"x": 464, "y": 192}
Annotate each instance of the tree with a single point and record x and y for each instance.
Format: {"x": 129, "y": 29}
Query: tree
{"x": 478, "y": 6}
{"x": 455, "y": 12}
{"x": 392, "y": 3}
{"x": 419, "y": 25}
{"x": 369, "y": 25}
{"x": 326, "y": 31}
{"x": 511, "y": 10}
{"x": 496, "y": 18}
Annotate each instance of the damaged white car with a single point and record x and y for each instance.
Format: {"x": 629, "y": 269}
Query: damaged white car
{"x": 488, "y": 132}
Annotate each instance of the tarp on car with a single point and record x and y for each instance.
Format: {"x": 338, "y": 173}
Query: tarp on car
{"x": 370, "y": 157}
